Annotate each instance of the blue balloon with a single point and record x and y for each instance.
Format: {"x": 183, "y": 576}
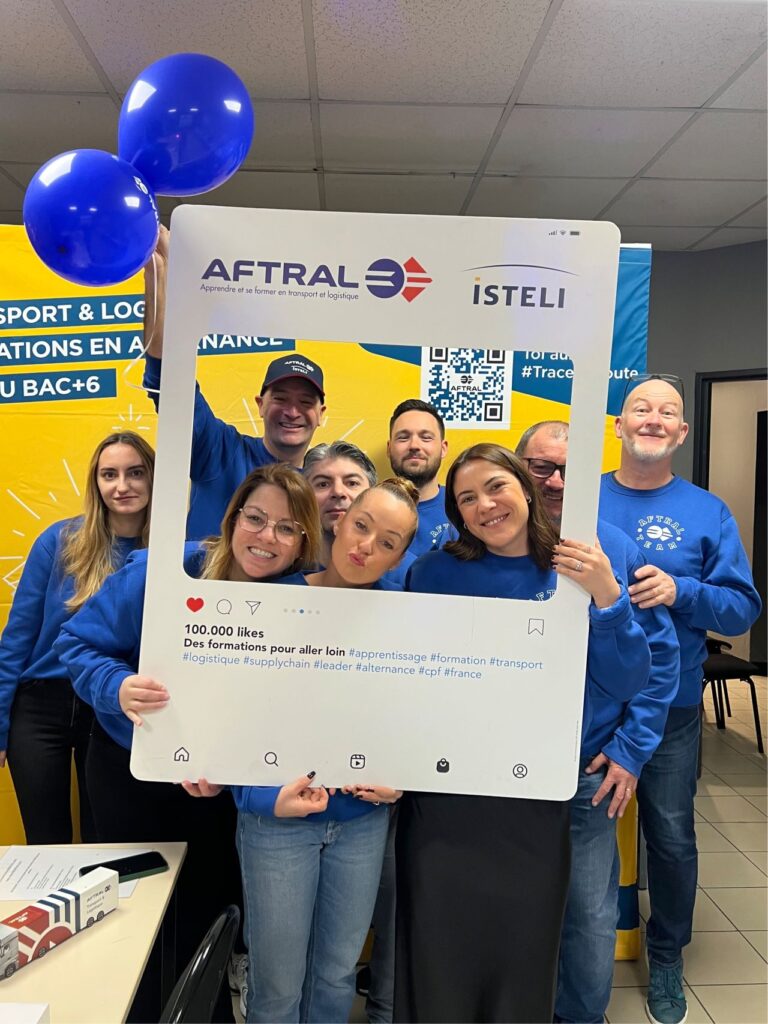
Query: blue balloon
{"x": 91, "y": 217}
{"x": 186, "y": 124}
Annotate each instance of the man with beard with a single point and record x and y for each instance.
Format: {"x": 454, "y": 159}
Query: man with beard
{"x": 699, "y": 570}
{"x": 416, "y": 447}
{"x": 615, "y": 747}
{"x": 291, "y": 403}
{"x": 337, "y": 473}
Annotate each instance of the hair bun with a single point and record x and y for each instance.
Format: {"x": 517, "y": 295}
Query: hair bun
{"x": 407, "y": 488}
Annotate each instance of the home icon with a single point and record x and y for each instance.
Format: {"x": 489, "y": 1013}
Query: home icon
{"x": 182, "y": 754}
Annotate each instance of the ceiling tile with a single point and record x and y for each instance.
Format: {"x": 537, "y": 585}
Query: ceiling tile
{"x": 538, "y": 140}
{"x": 754, "y": 218}
{"x": 662, "y": 238}
{"x": 11, "y": 196}
{"x": 749, "y": 89}
{"x": 266, "y": 189}
{"x": 719, "y": 144}
{"x": 283, "y": 136}
{"x": 731, "y": 236}
{"x": 395, "y": 193}
{"x": 35, "y": 128}
{"x": 571, "y": 198}
{"x": 38, "y": 52}
{"x": 432, "y": 51}
{"x": 691, "y": 203}
{"x": 263, "y": 42}
{"x": 405, "y": 138}
{"x": 659, "y": 53}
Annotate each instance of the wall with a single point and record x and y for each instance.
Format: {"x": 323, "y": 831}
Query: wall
{"x": 708, "y": 312}
{"x": 732, "y": 454}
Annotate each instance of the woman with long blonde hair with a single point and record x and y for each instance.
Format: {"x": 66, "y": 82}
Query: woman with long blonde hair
{"x": 42, "y": 721}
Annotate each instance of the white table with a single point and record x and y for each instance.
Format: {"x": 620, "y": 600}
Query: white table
{"x": 93, "y": 977}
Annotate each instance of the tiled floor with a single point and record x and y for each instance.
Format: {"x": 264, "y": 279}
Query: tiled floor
{"x": 726, "y": 964}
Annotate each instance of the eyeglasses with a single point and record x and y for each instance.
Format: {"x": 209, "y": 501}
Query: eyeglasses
{"x": 643, "y": 378}
{"x": 254, "y": 520}
{"x": 542, "y": 469}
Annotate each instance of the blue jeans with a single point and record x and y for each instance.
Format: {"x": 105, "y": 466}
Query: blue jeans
{"x": 588, "y": 939}
{"x": 309, "y": 889}
{"x": 665, "y": 795}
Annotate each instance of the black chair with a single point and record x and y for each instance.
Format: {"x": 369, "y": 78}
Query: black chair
{"x": 718, "y": 669}
{"x": 195, "y": 994}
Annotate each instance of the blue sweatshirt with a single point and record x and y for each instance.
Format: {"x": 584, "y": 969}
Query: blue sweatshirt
{"x": 618, "y": 656}
{"x": 691, "y": 535}
{"x": 221, "y": 459}
{"x": 435, "y": 528}
{"x": 100, "y": 648}
{"x": 632, "y": 743}
{"x": 38, "y": 611}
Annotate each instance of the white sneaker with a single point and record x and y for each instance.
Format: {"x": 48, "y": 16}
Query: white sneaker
{"x": 244, "y": 997}
{"x": 237, "y": 971}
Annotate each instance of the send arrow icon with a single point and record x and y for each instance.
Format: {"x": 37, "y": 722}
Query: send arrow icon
{"x": 253, "y": 605}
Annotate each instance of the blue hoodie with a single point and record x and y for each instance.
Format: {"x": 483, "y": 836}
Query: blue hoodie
{"x": 100, "y": 648}
{"x": 618, "y": 654}
{"x": 691, "y": 535}
{"x": 38, "y": 611}
{"x": 221, "y": 459}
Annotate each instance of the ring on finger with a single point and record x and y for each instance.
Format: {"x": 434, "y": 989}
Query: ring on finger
{"x": 579, "y": 565}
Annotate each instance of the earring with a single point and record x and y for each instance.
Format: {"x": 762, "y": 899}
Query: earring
{"x": 528, "y": 498}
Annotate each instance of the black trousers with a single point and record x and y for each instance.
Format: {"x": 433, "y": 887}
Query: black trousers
{"x": 481, "y": 890}
{"x": 49, "y": 723}
{"x": 128, "y": 810}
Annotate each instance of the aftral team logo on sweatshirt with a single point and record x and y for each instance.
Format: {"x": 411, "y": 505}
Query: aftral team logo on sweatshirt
{"x": 659, "y": 533}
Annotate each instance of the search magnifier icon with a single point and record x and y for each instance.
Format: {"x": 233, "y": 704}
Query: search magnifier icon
{"x": 270, "y": 757}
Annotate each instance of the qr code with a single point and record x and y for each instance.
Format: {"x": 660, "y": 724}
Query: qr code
{"x": 470, "y": 387}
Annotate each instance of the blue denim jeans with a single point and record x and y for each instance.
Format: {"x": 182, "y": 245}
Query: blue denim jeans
{"x": 588, "y": 939}
{"x": 665, "y": 795}
{"x": 309, "y": 890}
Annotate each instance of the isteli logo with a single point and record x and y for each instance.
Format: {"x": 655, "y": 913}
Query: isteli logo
{"x": 384, "y": 278}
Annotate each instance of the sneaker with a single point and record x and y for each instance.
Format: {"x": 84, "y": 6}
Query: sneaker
{"x": 244, "y": 998}
{"x": 666, "y": 1000}
{"x": 237, "y": 971}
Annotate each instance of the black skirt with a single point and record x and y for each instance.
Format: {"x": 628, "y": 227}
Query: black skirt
{"x": 481, "y": 890}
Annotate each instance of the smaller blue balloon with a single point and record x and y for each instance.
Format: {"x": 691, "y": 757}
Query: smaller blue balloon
{"x": 186, "y": 124}
{"x": 91, "y": 217}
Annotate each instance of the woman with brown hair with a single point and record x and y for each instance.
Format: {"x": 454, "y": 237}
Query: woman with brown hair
{"x": 482, "y": 881}
{"x": 42, "y": 721}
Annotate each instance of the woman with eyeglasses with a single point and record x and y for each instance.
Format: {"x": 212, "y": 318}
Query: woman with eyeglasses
{"x": 270, "y": 532}
{"x": 482, "y": 881}
{"x": 42, "y": 721}
{"x": 311, "y": 857}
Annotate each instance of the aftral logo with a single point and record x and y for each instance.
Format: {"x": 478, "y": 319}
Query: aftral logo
{"x": 386, "y": 278}
{"x": 659, "y": 532}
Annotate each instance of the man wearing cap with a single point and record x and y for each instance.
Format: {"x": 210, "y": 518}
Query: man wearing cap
{"x": 698, "y": 568}
{"x": 291, "y": 404}
{"x": 615, "y": 746}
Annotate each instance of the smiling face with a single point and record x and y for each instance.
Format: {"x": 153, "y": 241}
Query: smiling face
{"x": 415, "y": 448}
{"x": 336, "y": 483}
{"x": 257, "y": 556}
{"x": 493, "y": 506}
{"x": 372, "y": 537}
{"x": 552, "y": 449}
{"x": 291, "y": 410}
{"x": 123, "y": 480}
{"x": 651, "y": 425}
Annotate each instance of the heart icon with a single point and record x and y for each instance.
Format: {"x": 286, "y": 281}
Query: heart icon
{"x": 195, "y": 603}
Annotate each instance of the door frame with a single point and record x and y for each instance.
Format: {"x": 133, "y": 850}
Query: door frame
{"x": 703, "y": 415}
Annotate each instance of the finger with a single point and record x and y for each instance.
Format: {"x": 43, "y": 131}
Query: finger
{"x": 579, "y": 545}
{"x": 147, "y": 697}
{"x": 651, "y": 602}
{"x": 152, "y": 685}
{"x": 298, "y": 785}
{"x": 595, "y": 763}
{"x": 133, "y": 717}
{"x": 615, "y": 803}
{"x": 645, "y": 571}
{"x": 604, "y": 789}
{"x": 190, "y": 787}
{"x": 642, "y": 588}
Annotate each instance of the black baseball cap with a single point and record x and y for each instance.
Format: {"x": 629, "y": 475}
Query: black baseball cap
{"x": 293, "y": 367}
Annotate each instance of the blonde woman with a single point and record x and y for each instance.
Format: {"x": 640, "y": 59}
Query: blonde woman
{"x": 42, "y": 721}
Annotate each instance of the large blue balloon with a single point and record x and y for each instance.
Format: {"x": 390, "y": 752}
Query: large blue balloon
{"x": 91, "y": 217}
{"x": 186, "y": 124}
